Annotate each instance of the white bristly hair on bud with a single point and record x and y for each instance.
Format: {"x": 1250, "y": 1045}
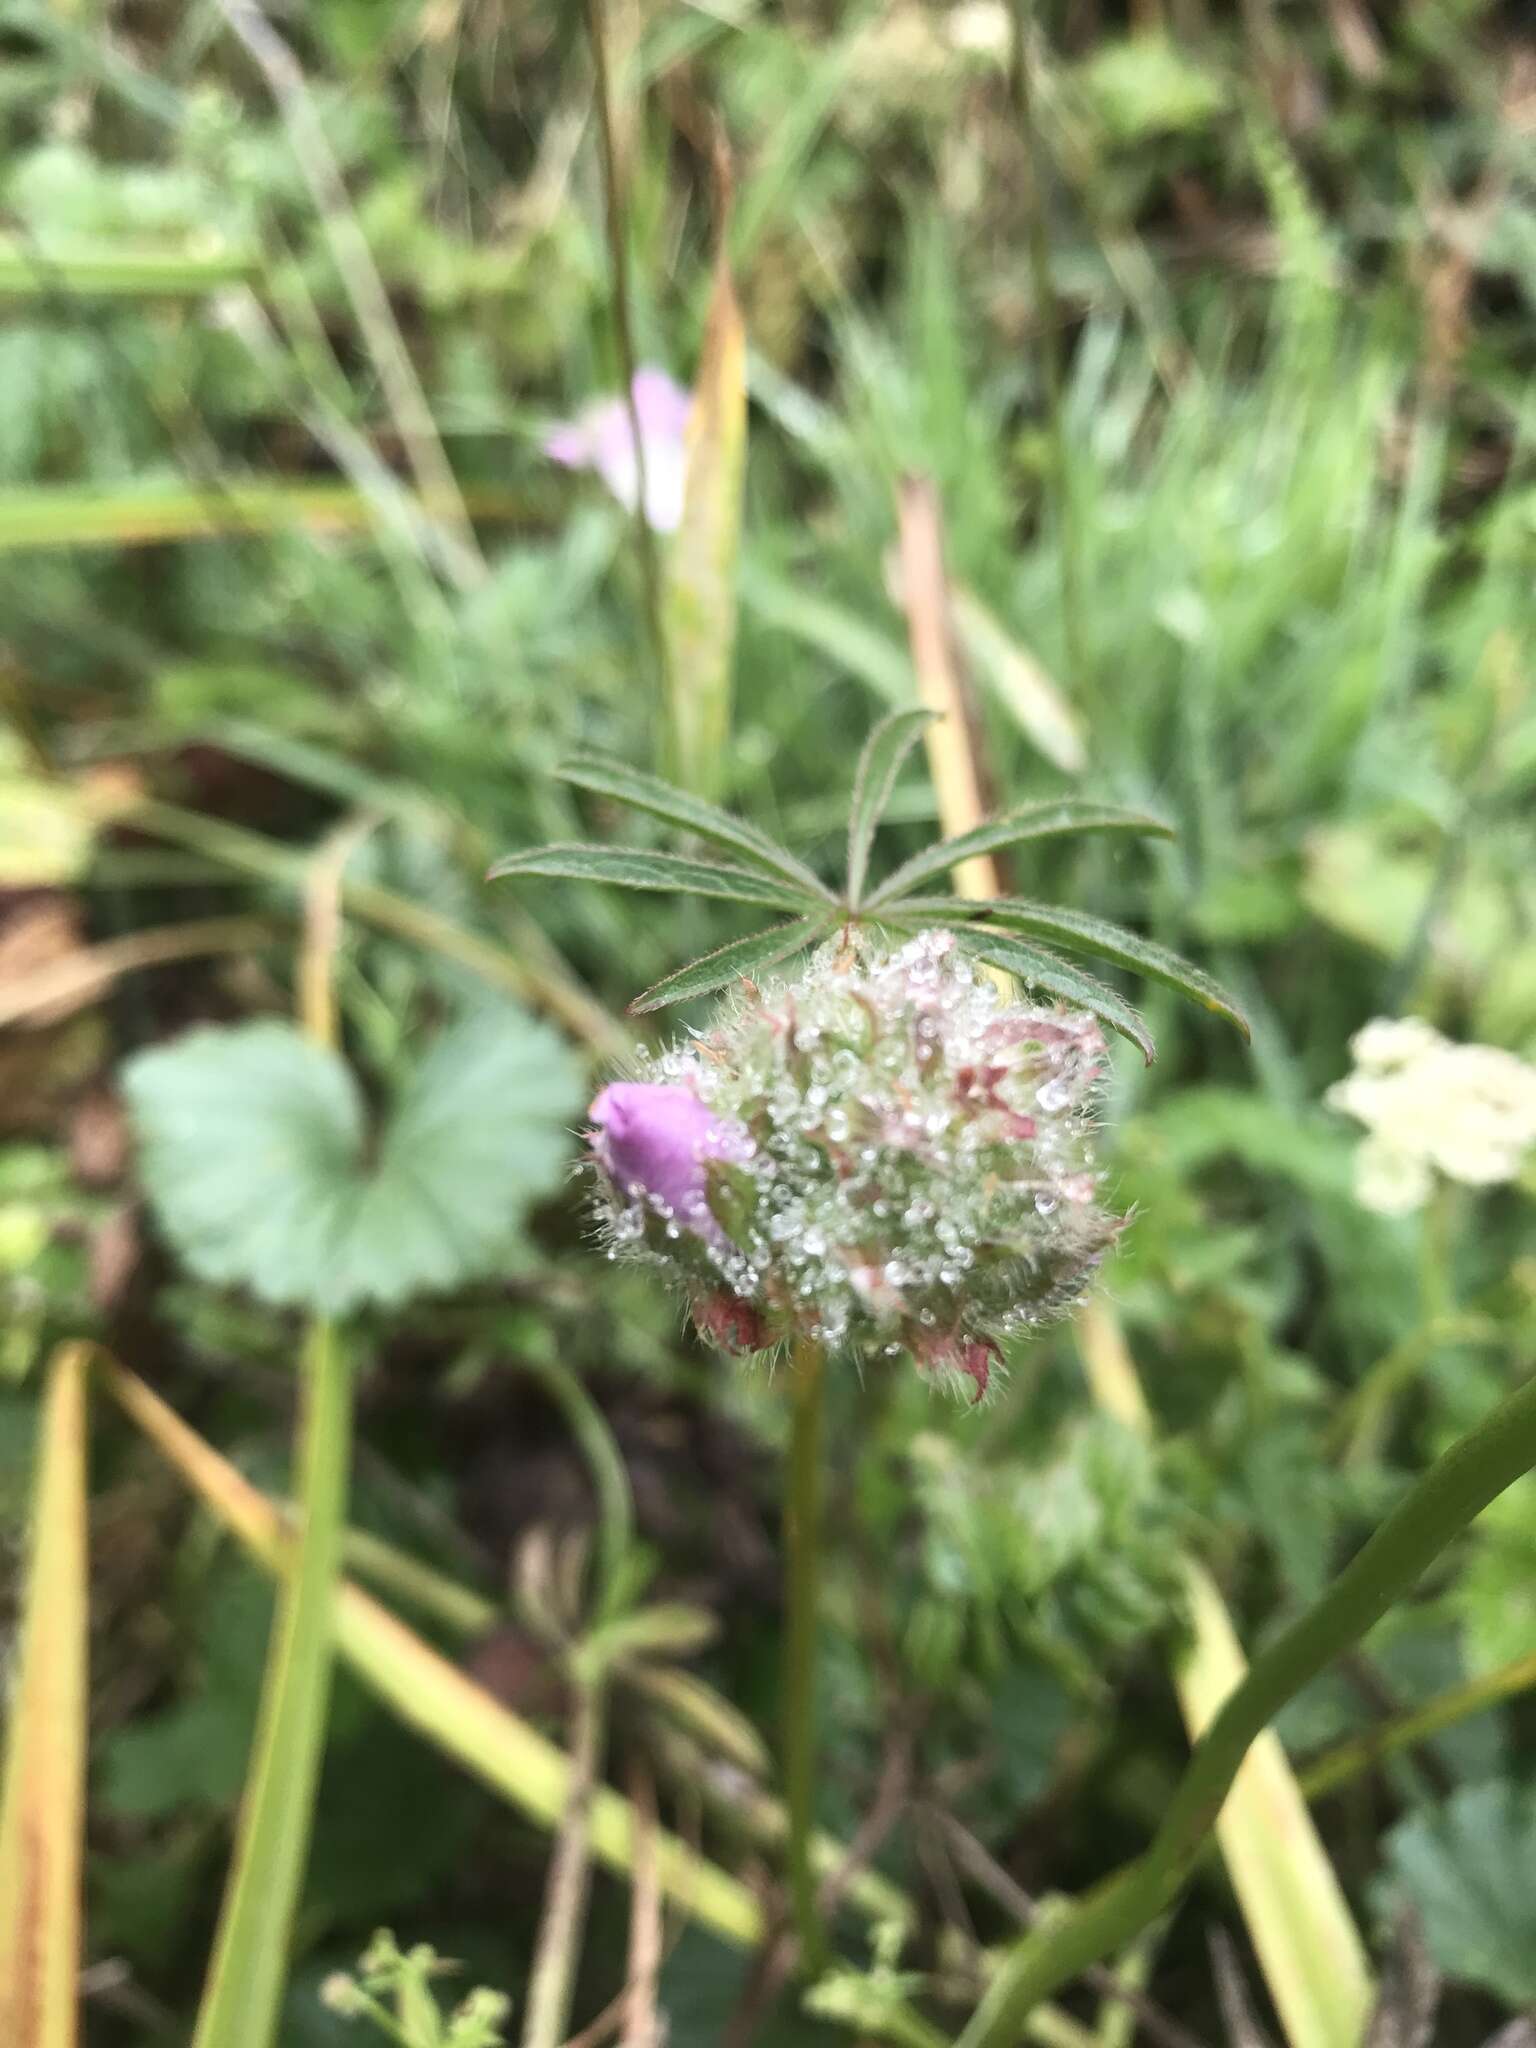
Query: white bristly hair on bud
{"x": 898, "y": 1159}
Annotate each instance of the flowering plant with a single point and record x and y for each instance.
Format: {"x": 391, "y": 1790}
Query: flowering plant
{"x": 1431, "y": 1106}
{"x": 882, "y": 1152}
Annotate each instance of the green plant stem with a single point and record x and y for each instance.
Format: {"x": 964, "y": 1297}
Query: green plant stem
{"x": 802, "y": 1528}
{"x": 1457, "y": 1486}
{"x": 624, "y": 337}
{"x": 610, "y": 1480}
{"x": 1080, "y": 677}
{"x": 1350, "y": 1760}
{"x": 241, "y": 2000}
{"x": 406, "y": 1579}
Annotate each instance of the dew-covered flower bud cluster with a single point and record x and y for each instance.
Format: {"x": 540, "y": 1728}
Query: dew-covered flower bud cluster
{"x": 882, "y": 1154}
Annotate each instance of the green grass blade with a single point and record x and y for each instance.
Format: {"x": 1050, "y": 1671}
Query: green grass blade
{"x": 143, "y": 515}
{"x": 625, "y": 868}
{"x": 42, "y": 1806}
{"x": 1080, "y": 932}
{"x": 246, "y": 1978}
{"x": 888, "y": 745}
{"x": 1016, "y": 828}
{"x": 106, "y": 270}
{"x": 642, "y": 792}
{"x": 729, "y": 963}
{"x": 1039, "y": 969}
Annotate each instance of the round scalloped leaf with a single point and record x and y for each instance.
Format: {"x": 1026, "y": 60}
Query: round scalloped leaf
{"x": 257, "y": 1154}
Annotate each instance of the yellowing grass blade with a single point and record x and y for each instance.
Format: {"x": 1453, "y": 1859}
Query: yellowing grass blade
{"x": 699, "y": 585}
{"x": 951, "y": 755}
{"x": 1300, "y": 1923}
{"x": 433, "y": 1696}
{"x": 42, "y": 1804}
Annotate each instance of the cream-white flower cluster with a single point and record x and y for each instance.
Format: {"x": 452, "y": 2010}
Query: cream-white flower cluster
{"x": 1432, "y": 1106}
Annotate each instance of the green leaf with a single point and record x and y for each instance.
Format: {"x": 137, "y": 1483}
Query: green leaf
{"x": 254, "y": 1154}
{"x": 729, "y": 963}
{"x": 642, "y": 792}
{"x": 1037, "y": 968}
{"x": 1081, "y": 932}
{"x": 1016, "y": 828}
{"x": 888, "y": 745}
{"x": 668, "y": 872}
{"x": 1466, "y": 1867}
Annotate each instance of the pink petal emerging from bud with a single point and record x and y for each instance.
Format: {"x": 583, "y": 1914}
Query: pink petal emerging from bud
{"x": 601, "y": 438}
{"x": 657, "y": 1138}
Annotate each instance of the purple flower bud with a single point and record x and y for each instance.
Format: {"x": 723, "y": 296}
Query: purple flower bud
{"x": 658, "y": 1137}
{"x": 601, "y": 438}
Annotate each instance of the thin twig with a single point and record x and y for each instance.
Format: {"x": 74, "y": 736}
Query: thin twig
{"x": 360, "y": 278}
{"x": 563, "y": 1920}
{"x": 642, "y": 2023}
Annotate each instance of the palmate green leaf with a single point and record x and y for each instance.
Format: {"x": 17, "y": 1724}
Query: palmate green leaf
{"x": 668, "y": 873}
{"x": 1081, "y": 932}
{"x": 254, "y": 1153}
{"x": 888, "y": 745}
{"x": 642, "y": 792}
{"x": 1015, "y": 828}
{"x": 729, "y": 963}
{"x": 1037, "y": 968}
{"x": 1466, "y": 1867}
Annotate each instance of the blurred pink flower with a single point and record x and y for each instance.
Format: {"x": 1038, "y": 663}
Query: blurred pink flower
{"x": 600, "y": 438}
{"x": 658, "y": 1138}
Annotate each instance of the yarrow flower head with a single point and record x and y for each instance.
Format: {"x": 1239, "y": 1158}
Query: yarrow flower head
{"x": 1430, "y": 1105}
{"x": 882, "y": 1154}
{"x": 602, "y": 438}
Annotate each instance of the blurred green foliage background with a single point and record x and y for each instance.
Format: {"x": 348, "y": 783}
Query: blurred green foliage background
{"x": 1292, "y": 267}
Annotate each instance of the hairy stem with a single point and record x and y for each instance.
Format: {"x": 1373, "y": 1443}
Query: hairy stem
{"x": 802, "y": 1521}
{"x": 1455, "y": 1489}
